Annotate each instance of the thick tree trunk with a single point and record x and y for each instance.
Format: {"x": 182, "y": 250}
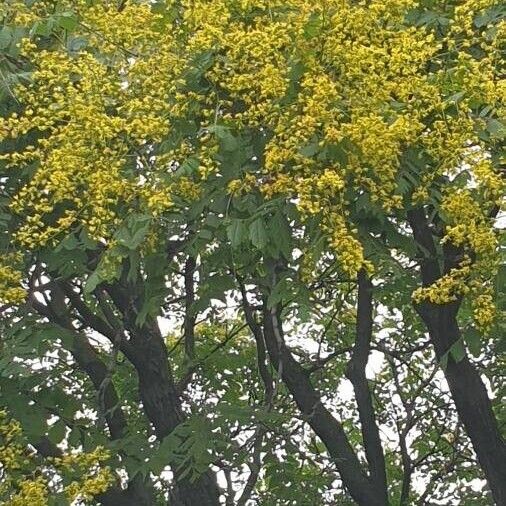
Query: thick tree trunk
{"x": 356, "y": 374}
{"x": 202, "y": 492}
{"x": 163, "y": 408}
{"x": 147, "y": 352}
{"x": 466, "y": 386}
{"x": 138, "y": 493}
{"x": 470, "y": 397}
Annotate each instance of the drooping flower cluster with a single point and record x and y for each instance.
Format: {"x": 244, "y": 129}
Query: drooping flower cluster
{"x": 23, "y": 480}
{"x": 11, "y": 291}
{"x": 140, "y": 106}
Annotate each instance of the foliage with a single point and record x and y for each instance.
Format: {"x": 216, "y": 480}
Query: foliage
{"x": 215, "y": 214}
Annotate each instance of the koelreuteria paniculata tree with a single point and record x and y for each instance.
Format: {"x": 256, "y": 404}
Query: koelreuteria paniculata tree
{"x": 332, "y": 171}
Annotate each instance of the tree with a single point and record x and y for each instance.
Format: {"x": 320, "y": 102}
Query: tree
{"x": 215, "y": 216}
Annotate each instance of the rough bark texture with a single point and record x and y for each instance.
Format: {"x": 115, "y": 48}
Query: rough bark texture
{"x": 163, "y": 408}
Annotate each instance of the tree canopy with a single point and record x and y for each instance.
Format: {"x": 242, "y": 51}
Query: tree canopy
{"x": 251, "y": 252}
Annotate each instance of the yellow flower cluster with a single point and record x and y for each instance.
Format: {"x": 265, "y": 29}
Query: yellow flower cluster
{"x": 338, "y": 89}
{"x": 11, "y": 453}
{"x": 489, "y": 181}
{"x": 244, "y": 185}
{"x": 469, "y": 227}
{"x": 484, "y": 310}
{"x": 96, "y": 115}
{"x": 186, "y": 188}
{"x": 320, "y": 193}
{"x": 34, "y": 492}
{"x": 349, "y": 250}
{"x": 133, "y": 29}
{"x": 13, "y": 458}
{"x": 468, "y": 224}
{"x": 343, "y": 242}
{"x": 19, "y": 12}
{"x": 92, "y": 476}
{"x": 460, "y": 282}
{"x": 465, "y": 14}
{"x": 11, "y": 291}
{"x": 447, "y": 288}
{"x": 90, "y": 486}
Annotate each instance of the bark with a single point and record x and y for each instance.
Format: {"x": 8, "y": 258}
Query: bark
{"x": 189, "y": 319}
{"x": 356, "y": 374}
{"x": 255, "y": 465}
{"x": 138, "y": 493}
{"x": 466, "y": 386}
{"x": 160, "y": 398}
{"x": 328, "y": 428}
{"x": 163, "y": 408}
{"x": 470, "y": 396}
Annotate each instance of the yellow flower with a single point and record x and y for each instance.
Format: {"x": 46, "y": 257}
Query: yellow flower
{"x": 484, "y": 311}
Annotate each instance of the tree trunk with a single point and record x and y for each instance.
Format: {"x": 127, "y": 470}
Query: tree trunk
{"x": 163, "y": 408}
{"x": 466, "y": 386}
{"x": 470, "y": 397}
{"x": 356, "y": 374}
{"x": 161, "y": 402}
{"x": 363, "y": 489}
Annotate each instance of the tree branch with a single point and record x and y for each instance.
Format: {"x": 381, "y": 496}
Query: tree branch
{"x": 356, "y": 374}
{"x": 189, "y": 320}
{"x": 88, "y": 360}
{"x": 329, "y": 430}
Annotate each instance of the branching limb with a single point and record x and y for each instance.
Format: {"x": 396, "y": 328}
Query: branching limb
{"x": 356, "y": 374}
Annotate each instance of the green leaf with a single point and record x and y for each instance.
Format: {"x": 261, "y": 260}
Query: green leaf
{"x": 213, "y": 221}
{"x": 57, "y": 432}
{"x": 200, "y": 64}
{"x": 189, "y": 167}
{"x": 134, "y": 230}
{"x": 215, "y": 287}
{"x": 67, "y": 20}
{"x": 496, "y": 128}
{"x": 310, "y": 150}
{"x": 280, "y": 236}
{"x": 500, "y": 282}
{"x": 5, "y": 37}
{"x": 472, "y": 338}
{"x": 74, "y": 438}
{"x": 339, "y": 152}
{"x": 420, "y": 17}
{"x": 155, "y": 288}
{"x": 237, "y": 232}
{"x": 92, "y": 282}
{"x": 205, "y": 233}
{"x": 457, "y": 350}
{"x": 258, "y": 233}
{"x": 314, "y": 25}
{"x": 44, "y": 27}
{"x": 228, "y": 142}
{"x": 443, "y": 361}
{"x": 489, "y": 16}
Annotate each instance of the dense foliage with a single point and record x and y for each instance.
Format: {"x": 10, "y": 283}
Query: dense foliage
{"x": 250, "y": 252}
